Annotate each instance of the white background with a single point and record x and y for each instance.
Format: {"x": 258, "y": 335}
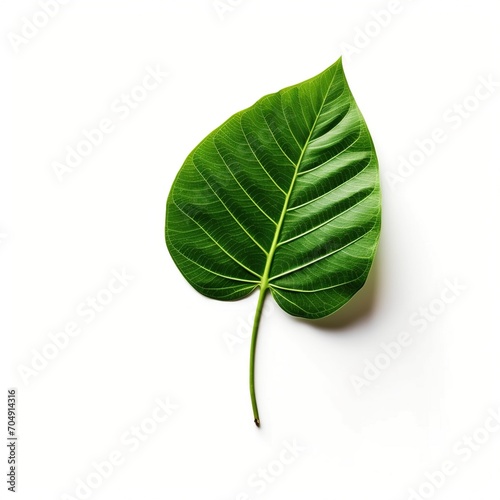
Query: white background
{"x": 159, "y": 338}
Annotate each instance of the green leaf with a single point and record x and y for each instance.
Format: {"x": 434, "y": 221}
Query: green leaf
{"x": 283, "y": 196}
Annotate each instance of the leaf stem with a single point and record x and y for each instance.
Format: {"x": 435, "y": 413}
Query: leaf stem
{"x": 256, "y": 322}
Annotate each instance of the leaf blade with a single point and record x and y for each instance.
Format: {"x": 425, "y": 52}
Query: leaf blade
{"x": 288, "y": 192}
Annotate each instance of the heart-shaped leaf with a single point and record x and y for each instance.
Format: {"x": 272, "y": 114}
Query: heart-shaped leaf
{"x": 283, "y": 196}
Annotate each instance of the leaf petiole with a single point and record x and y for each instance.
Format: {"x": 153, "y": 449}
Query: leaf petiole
{"x": 256, "y": 322}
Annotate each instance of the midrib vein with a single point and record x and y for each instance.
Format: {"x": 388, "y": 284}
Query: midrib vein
{"x": 264, "y": 283}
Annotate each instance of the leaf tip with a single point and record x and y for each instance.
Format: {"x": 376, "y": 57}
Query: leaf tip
{"x": 257, "y": 422}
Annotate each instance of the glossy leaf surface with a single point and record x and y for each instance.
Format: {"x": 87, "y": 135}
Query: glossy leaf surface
{"x": 290, "y": 184}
